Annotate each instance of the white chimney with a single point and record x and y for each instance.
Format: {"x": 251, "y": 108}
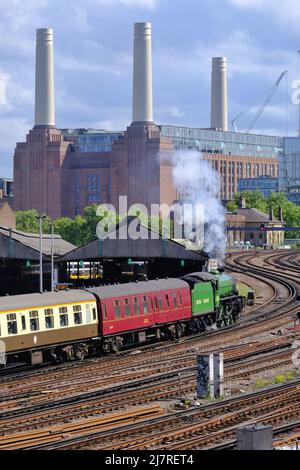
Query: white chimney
{"x": 44, "y": 79}
{"x": 142, "y": 74}
{"x": 219, "y": 118}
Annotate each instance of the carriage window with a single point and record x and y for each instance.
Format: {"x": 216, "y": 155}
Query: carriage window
{"x": 117, "y": 309}
{"x": 168, "y": 301}
{"x": 63, "y": 316}
{"x": 23, "y": 320}
{"x": 174, "y": 299}
{"x": 12, "y": 327}
{"x": 104, "y": 311}
{"x": 136, "y": 306}
{"x": 94, "y": 314}
{"x": 127, "y": 308}
{"x": 160, "y": 303}
{"x": 77, "y": 314}
{"x": 34, "y": 320}
{"x": 49, "y": 318}
{"x": 145, "y": 304}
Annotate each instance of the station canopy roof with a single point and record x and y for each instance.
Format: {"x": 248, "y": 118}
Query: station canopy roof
{"x": 149, "y": 245}
{"x": 21, "y": 245}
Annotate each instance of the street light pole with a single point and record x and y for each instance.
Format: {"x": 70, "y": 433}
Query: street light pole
{"x": 52, "y": 257}
{"x": 40, "y": 219}
{"x": 41, "y": 252}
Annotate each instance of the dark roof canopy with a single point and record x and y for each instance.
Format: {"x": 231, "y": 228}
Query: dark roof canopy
{"x": 149, "y": 244}
{"x": 20, "y": 245}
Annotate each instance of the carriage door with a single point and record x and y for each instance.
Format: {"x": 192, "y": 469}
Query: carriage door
{"x": 88, "y": 314}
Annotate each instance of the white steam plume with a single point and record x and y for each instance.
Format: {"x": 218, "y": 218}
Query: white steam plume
{"x": 197, "y": 183}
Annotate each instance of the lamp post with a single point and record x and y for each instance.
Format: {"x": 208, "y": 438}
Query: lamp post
{"x": 52, "y": 257}
{"x": 40, "y": 219}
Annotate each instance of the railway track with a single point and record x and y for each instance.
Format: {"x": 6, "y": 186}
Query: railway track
{"x": 163, "y": 386}
{"x": 197, "y": 428}
{"x": 49, "y": 397}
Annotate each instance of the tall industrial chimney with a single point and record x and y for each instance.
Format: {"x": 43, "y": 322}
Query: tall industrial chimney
{"x": 219, "y": 119}
{"x": 44, "y": 79}
{"x": 142, "y": 74}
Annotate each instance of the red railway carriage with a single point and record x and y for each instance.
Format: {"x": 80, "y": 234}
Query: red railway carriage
{"x": 133, "y": 313}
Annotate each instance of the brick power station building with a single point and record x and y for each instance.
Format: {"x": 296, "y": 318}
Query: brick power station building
{"x": 55, "y": 173}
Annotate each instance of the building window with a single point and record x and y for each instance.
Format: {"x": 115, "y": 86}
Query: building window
{"x": 93, "y": 183}
{"x": 12, "y": 327}
{"x": 77, "y": 184}
{"x": 34, "y": 320}
{"x": 94, "y": 198}
{"x": 49, "y": 318}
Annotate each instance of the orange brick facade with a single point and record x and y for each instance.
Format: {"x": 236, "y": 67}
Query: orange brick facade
{"x": 232, "y": 167}
{"x": 52, "y": 178}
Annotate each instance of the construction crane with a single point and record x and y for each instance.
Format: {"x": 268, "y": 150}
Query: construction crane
{"x": 262, "y": 107}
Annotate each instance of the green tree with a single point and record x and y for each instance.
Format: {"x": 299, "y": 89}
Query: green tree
{"x": 71, "y": 230}
{"x": 253, "y": 199}
{"x": 27, "y": 221}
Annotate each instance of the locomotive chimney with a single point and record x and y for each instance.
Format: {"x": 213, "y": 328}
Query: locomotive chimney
{"x": 44, "y": 79}
{"x": 142, "y": 74}
{"x": 219, "y": 118}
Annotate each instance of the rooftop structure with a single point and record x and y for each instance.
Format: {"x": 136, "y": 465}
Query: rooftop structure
{"x": 225, "y": 143}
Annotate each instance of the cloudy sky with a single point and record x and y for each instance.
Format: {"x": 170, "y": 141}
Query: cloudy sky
{"x": 93, "y": 61}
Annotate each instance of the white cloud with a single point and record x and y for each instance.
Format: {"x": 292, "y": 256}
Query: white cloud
{"x": 172, "y": 111}
{"x": 284, "y": 11}
{"x": 149, "y": 4}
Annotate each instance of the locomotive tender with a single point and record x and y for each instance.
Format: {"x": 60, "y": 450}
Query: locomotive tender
{"x": 61, "y": 326}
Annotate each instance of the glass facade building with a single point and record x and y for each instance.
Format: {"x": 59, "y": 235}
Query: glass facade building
{"x": 92, "y": 140}
{"x": 6, "y": 187}
{"x": 265, "y": 184}
{"x": 98, "y": 141}
{"x": 289, "y": 168}
{"x": 227, "y": 143}
{"x": 204, "y": 140}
